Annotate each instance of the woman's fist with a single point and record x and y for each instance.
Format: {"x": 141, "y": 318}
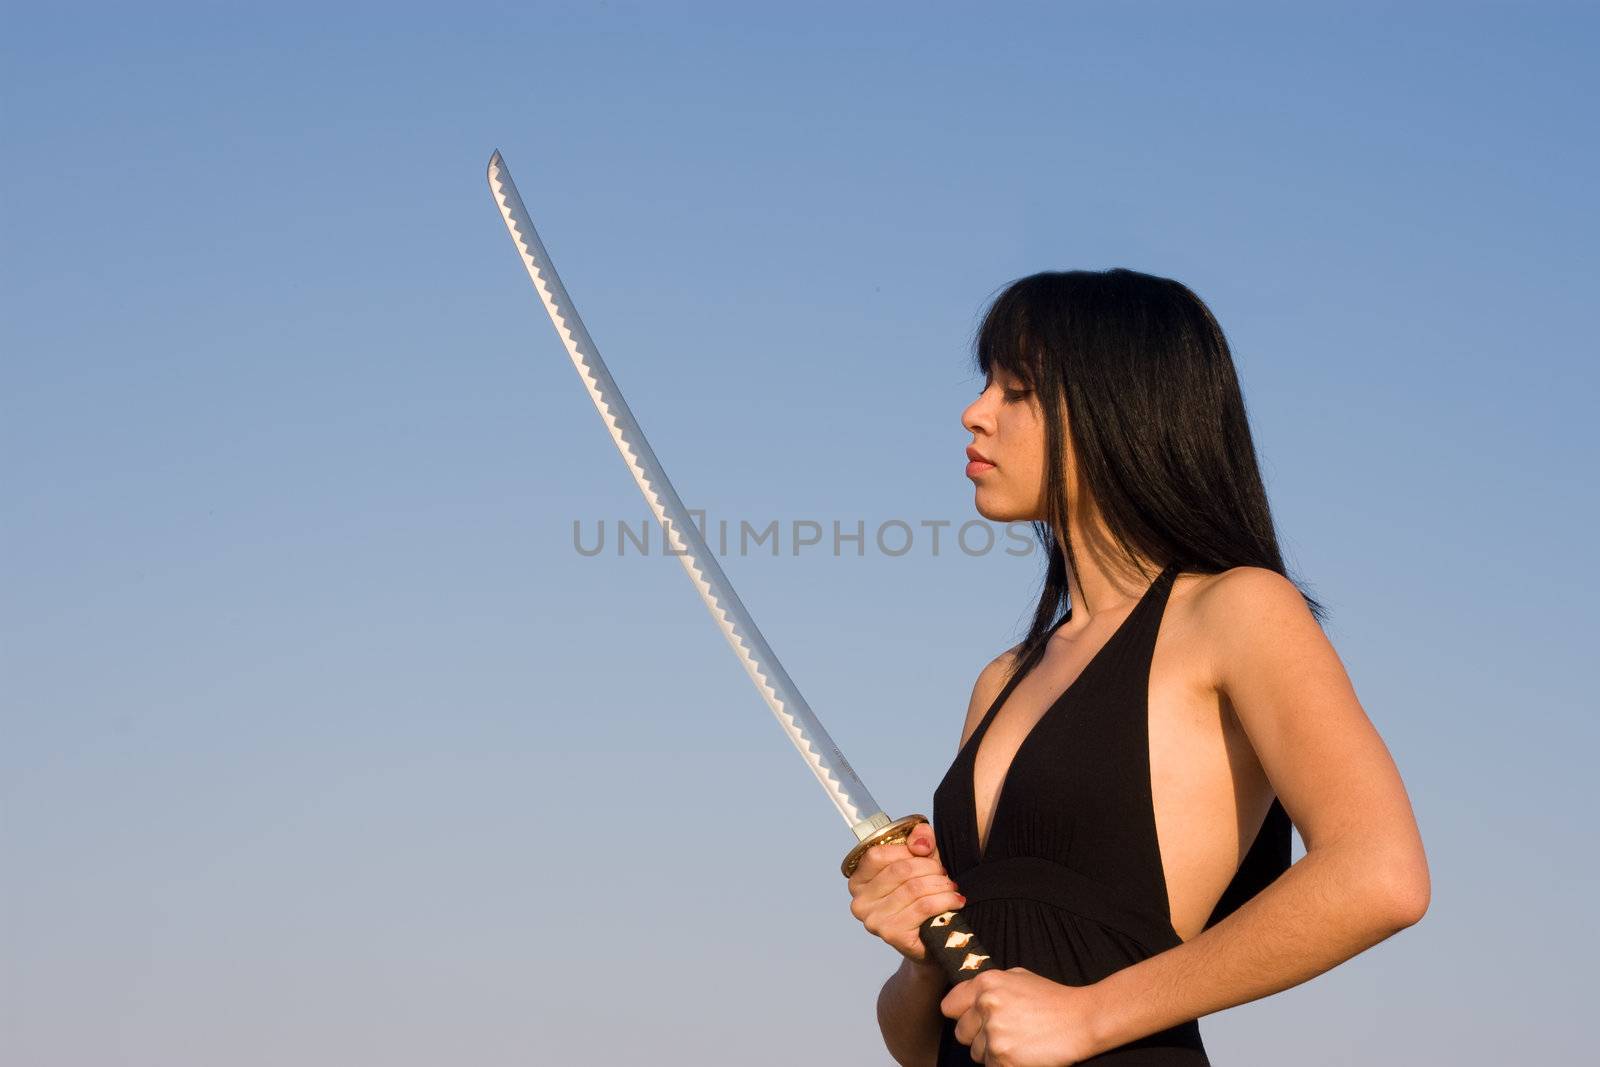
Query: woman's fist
{"x": 896, "y": 888}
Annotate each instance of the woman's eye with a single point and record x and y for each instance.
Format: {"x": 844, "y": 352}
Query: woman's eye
{"x": 1010, "y": 395}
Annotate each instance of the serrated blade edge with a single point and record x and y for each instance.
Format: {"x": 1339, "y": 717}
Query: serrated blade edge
{"x": 683, "y": 537}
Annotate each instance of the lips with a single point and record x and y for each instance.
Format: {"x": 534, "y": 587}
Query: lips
{"x": 978, "y": 457}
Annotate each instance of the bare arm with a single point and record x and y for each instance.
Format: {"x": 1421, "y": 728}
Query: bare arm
{"x": 908, "y": 1013}
{"x": 1364, "y": 876}
{"x": 908, "y": 1003}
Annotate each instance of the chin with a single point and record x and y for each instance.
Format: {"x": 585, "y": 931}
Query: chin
{"x": 996, "y": 511}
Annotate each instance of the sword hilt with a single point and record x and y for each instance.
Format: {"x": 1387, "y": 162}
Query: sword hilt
{"x": 946, "y": 937}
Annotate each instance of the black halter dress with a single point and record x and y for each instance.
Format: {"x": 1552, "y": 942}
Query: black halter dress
{"x": 1070, "y": 883}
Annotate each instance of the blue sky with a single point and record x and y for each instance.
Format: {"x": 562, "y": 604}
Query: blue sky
{"x": 323, "y": 744}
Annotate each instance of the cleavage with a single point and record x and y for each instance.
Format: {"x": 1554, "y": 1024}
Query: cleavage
{"x": 1046, "y": 688}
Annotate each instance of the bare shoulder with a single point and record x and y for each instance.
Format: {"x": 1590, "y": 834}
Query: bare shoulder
{"x": 1245, "y": 612}
{"x": 1245, "y": 587}
{"x": 990, "y": 681}
{"x": 1289, "y": 691}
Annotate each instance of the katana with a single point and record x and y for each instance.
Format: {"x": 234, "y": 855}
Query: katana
{"x": 946, "y": 936}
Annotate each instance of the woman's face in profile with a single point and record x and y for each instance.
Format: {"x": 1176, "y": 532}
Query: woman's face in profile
{"x": 1007, "y": 427}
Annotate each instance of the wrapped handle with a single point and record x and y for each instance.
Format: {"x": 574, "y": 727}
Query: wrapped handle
{"x": 949, "y": 939}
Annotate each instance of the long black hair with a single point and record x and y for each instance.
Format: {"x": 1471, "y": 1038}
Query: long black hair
{"x": 1158, "y": 425}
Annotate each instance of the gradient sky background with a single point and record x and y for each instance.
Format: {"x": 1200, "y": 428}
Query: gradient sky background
{"x": 323, "y": 745}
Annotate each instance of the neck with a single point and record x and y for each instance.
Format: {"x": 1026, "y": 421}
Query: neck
{"x": 1099, "y": 577}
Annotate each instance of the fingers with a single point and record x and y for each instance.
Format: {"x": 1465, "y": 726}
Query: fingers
{"x": 903, "y": 928}
{"x": 898, "y": 873}
{"x": 970, "y": 1004}
{"x": 879, "y": 857}
{"x": 906, "y": 924}
{"x": 920, "y": 843}
{"x": 898, "y": 896}
{"x": 896, "y": 888}
{"x": 969, "y": 1028}
{"x": 908, "y": 904}
{"x": 958, "y": 1000}
{"x": 898, "y": 917}
{"x": 895, "y": 872}
{"x": 872, "y": 864}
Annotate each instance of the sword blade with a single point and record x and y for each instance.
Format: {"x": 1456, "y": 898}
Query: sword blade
{"x": 683, "y": 537}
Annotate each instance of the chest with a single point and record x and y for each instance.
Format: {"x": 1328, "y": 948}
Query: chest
{"x": 1126, "y": 766}
{"x": 1097, "y": 730}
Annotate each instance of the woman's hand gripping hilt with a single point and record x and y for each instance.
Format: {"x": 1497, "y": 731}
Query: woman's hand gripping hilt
{"x": 947, "y": 938}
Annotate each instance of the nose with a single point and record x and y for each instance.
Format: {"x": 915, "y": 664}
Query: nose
{"x": 977, "y": 416}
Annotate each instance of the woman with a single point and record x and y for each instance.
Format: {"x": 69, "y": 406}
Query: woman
{"x": 1116, "y": 821}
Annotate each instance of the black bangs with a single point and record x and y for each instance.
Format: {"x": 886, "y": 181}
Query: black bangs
{"x": 1005, "y": 341}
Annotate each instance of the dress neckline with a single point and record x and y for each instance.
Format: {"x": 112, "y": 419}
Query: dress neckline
{"x": 981, "y": 842}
